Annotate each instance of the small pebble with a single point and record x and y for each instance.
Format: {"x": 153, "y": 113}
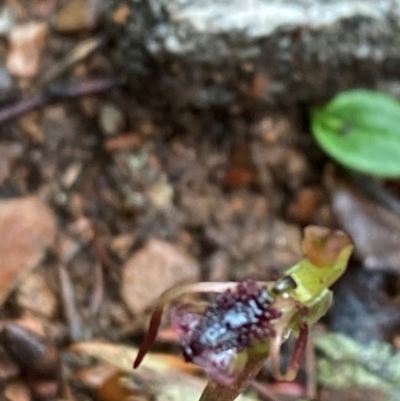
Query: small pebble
{"x": 111, "y": 119}
{"x": 155, "y": 268}
{"x": 78, "y": 15}
{"x": 26, "y": 45}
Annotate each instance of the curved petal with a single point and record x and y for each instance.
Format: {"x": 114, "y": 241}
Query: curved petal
{"x": 164, "y": 299}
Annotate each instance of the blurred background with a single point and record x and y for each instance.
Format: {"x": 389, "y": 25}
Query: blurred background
{"x": 146, "y": 143}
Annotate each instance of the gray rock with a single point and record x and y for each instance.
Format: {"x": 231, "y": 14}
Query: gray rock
{"x": 208, "y": 52}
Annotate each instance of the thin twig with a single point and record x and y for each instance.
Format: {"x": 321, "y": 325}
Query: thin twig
{"x": 58, "y": 92}
{"x": 67, "y": 293}
{"x": 98, "y": 286}
{"x": 79, "y": 53}
{"x": 21, "y": 107}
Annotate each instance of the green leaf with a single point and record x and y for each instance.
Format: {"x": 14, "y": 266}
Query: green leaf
{"x": 360, "y": 129}
{"x": 347, "y": 364}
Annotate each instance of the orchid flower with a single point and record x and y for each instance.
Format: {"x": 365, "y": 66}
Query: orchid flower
{"x": 247, "y": 322}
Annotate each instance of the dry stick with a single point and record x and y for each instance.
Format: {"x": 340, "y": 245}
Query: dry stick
{"x": 57, "y": 93}
{"x": 66, "y": 392}
{"x": 101, "y": 252}
{"x": 67, "y": 293}
{"x": 80, "y": 52}
{"x": 98, "y": 287}
{"x": 21, "y": 107}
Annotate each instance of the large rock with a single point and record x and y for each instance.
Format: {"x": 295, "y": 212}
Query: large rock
{"x": 207, "y": 52}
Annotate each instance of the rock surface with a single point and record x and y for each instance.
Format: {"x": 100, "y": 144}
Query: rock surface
{"x": 211, "y": 53}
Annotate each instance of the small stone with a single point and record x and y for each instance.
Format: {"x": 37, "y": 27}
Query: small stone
{"x": 27, "y": 229}
{"x": 121, "y": 14}
{"x": 71, "y": 174}
{"x": 121, "y": 244}
{"x": 155, "y": 268}
{"x": 161, "y": 194}
{"x": 78, "y": 15}
{"x": 111, "y": 119}
{"x": 17, "y": 391}
{"x": 35, "y": 295}
{"x": 26, "y": 45}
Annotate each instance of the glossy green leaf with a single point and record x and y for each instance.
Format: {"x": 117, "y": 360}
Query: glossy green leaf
{"x": 360, "y": 129}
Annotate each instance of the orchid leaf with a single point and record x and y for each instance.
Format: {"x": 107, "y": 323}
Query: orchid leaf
{"x": 360, "y": 129}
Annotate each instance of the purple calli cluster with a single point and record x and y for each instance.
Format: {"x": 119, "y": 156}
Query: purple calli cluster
{"x": 235, "y": 321}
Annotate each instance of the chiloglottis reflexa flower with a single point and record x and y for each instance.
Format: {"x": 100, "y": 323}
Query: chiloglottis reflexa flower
{"x": 249, "y": 321}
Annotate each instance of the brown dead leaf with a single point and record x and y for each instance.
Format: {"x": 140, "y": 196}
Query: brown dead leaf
{"x": 162, "y": 372}
{"x": 94, "y": 377}
{"x": 108, "y": 383}
{"x": 122, "y": 357}
{"x": 374, "y": 229}
{"x": 27, "y": 229}
{"x": 121, "y": 387}
{"x": 123, "y": 142}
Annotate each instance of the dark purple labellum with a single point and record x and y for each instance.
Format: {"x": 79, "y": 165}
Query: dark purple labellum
{"x": 229, "y": 325}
